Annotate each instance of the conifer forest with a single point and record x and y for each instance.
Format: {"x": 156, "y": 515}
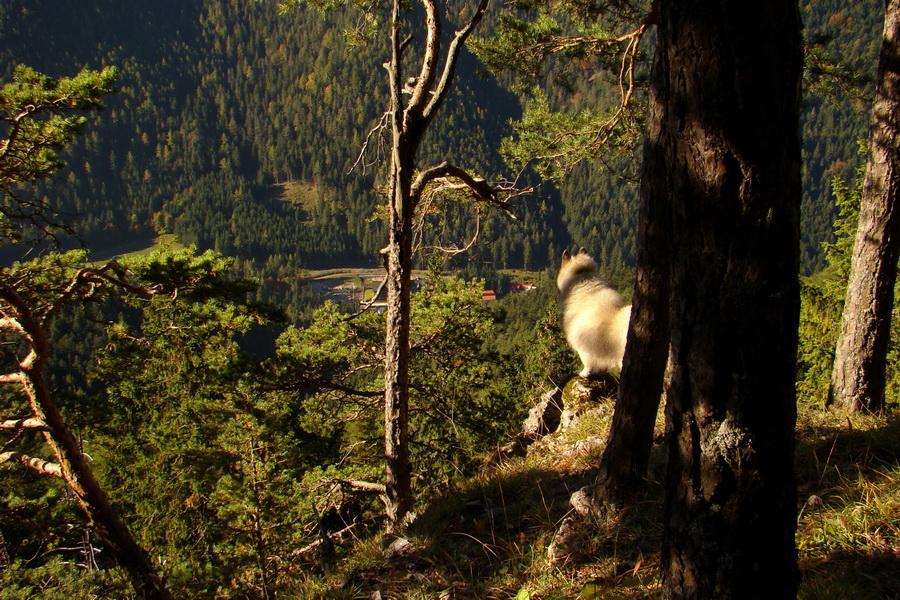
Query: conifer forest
{"x": 279, "y": 311}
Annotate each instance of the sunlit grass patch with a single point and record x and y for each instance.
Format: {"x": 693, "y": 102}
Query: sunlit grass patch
{"x": 848, "y": 534}
{"x": 490, "y": 536}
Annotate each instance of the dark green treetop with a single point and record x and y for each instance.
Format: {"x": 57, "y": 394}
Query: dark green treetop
{"x": 37, "y": 121}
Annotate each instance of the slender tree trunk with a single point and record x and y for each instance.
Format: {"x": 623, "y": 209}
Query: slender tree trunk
{"x": 858, "y": 378}
{"x": 732, "y": 103}
{"x": 626, "y": 458}
{"x": 396, "y": 375}
{"x": 399, "y": 271}
{"x": 409, "y": 122}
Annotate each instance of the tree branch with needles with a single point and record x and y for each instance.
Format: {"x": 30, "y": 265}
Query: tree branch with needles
{"x": 31, "y": 296}
{"x": 36, "y": 115}
{"x": 555, "y": 141}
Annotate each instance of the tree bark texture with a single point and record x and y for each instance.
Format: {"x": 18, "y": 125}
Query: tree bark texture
{"x": 396, "y": 374}
{"x": 626, "y": 458}
{"x": 731, "y": 97}
{"x": 398, "y": 487}
{"x": 858, "y": 376}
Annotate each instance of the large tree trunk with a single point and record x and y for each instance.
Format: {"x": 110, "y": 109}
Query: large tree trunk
{"x": 858, "y": 378}
{"x": 731, "y": 116}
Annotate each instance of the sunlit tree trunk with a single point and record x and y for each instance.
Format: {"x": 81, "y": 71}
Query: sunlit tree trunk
{"x": 858, "y": 377}
{"x": 399, "y": 271}
{"x": 409, "y": 119}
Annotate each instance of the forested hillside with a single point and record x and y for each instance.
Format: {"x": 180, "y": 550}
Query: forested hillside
{"x": 833, "y": 126}
{"x": 163, "y": 431}
{"x": 236, "y": 129}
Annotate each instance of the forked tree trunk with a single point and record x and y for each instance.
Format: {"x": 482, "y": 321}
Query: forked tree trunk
{"x": 858, "y": 377}
{"x": 409, "y": 121}
{"x": 732, "y": 97}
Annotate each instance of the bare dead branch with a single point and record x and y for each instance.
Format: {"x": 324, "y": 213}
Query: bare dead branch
{"x": 41, "y": 466}
{"x": 479, "y": 187}
{"x": 454, "y": 249}
{"x": 425, "y": 209}
{"x": 10, "y": 324}
{"x": 314, "y": 545}
{"x": 364, "y": 306}
{"x": 25, "y": 423}
{"x": 432, "y": 183}
{"x": 453, "y": 51}
{"x": 405, "y": 43}
{"x": 26, "y": 324}
{"x": 394, "y": 70}
{"x": 382, "y": 125}
{"x": 11, "y": 377}
{"x": 355, "y": 485}
{"x": 425, "y": 81}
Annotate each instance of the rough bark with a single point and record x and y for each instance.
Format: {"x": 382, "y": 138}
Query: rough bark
{"x": 732, "y": 99}
{"x": 408, "y": 125}
{"x": 858, "y": 377}
{"x": 626, "y": 458}
{"x": 399, "y": 270}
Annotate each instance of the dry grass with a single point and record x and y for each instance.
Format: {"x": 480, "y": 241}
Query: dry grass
{"x": 489, "y": 540}
{"x": 849, "y": 489}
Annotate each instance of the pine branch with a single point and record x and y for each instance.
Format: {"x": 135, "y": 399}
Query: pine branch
{"x": 381, "y": 126}
{"x": 85, "y": 281}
